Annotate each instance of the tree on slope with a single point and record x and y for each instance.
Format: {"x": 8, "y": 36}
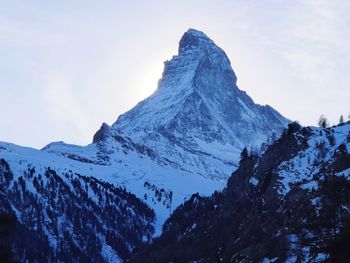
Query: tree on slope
{"x": 323, "y": 122}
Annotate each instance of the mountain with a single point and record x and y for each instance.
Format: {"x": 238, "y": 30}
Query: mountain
{"x": 183, "y": 139}
{"x": 198, "y": 118}
{"x": 288, "y": 204}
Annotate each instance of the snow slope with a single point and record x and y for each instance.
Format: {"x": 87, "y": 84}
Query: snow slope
{"x": 163, "y": 188}
{"x": 60, "y": 211}
{"x": 304, "y": 168}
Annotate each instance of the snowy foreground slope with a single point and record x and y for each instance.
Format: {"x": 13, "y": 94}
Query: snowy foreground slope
{"x": 50, "y": 211}
{"x": 186, "y": 138}
{"x": 290, "y": 203}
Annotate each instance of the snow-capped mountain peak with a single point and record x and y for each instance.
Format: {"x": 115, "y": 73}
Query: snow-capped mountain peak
{"x": 179, "y": 82}
{"x": 198, "y": 107}
{"x": 195, "y": 39}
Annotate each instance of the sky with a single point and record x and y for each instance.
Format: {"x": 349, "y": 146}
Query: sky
{"x": 68, "y": 66}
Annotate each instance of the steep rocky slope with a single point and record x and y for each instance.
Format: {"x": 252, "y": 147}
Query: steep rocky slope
{"x": 289, "y": 204}
{"x": 68, "y": 217}
{"x": 197, "y": 114}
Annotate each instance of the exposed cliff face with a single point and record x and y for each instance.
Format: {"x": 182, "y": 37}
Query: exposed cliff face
{"x": 291, "y": 204}
{"x": 198, "y": 113}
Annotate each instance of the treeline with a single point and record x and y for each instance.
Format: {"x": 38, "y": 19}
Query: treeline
{"x": 324, "y": 123}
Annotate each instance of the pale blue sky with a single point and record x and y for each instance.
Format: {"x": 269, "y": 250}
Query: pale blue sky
{"x": 67, "y": 66}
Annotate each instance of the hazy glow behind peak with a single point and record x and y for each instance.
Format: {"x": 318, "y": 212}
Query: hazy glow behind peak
{"x": 68, "y": 66}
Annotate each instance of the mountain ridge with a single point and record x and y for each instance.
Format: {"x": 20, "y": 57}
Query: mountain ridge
{"x": 287, "y": 204}
{"x": 197, "y": 99}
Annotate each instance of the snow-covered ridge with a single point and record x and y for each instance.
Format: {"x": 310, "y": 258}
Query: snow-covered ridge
{"x": 289, "y": 203}
{"x": 68, "y": 213}
{"x": 198, "y": 108}
{"x": 323, "y": 146}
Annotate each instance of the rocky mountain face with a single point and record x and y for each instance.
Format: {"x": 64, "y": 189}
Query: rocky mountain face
{"x": 198, "y": 114}
{"x": 289, "y": 204}
{"x": 98, "y": 202}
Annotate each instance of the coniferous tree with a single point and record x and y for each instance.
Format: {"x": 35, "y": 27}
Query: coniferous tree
{"x": 244, "y": 153}
{"x": 323, "y": 122}
{"x": 341, "y": 119}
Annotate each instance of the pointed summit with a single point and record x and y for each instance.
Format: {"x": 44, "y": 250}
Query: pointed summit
{"x": 193, "y": 39}
{"x": 198, "y": 55}
{"x": 195, "y": 33}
